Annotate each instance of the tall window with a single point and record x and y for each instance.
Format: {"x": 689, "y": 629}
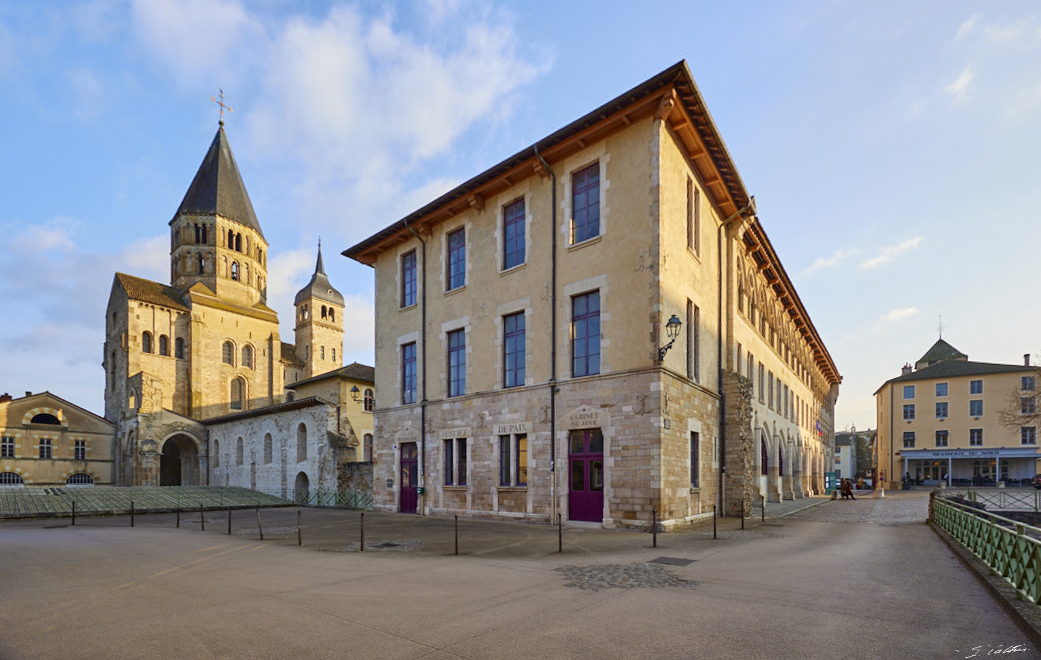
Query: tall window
{"x": 367, "y": 448}
{"x": 235, "y": 270}
{"x": 909, "y": 439}
{"x": 370, "y": 400}
{"x": 976, "y": 408}
{"x": 762, "y": 383}
{"x": 941, "y": 409}
{"x": 941, "y": 438}
{"x": 750, "y": 365}
{"x": 237, "y": 393}
{"x": 456, "y": 363}
{"x": 79, "y": 450}
{"x": 7, "y": 447}
{"x": 585, "y": 204}
{"x": 975, "y": 387}
{"x": 455, "y": 462}
{"x": 694, "y": 341}
{"x": 513, "y": 460}
{"x": 146, "y": 342}
{"x": 46, "y": 450}
{"x": 695, "y": 464}
{"x": 909, "y": 411}
{"x": 239, "y": 452}
{"x": 164, "y": 345}
{"x": 513, "y": 350}
{"x": 694, "y": 217}
{"x": 1028, "y": 435}
{"x": 1027, "y": 383}
{"x": 247, "y": 356}
{"x": 975, "y": 437}
{"x": 408, "y": 279}
{"x": 455, "y": 276}
{"x": 408, "y": 373}
{"x": 585, "y": 334}
{"x": 179, "y": 348}
{"x": 228, "y": 353}
{"x": 301, "y": 443}
{"x": 513, "y": 234}
{"x": 770, "y": 390}
{"x": 268, "y": 449}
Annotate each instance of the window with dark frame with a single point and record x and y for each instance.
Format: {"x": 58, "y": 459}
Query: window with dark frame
{"x": 228, "y": 353}
{"x": 513, "y": 460}
{"x": 975, "y": 387}
{"x": 909, "y": 411}
{"x": 941, "y": 389}
{"x": 695, "y": 464}
{"x": 941, "y": 410}
{"x": 455, "y": 276}
{"x": 975, "y": 437}
{"x": 585, "y": 334}
{"x": 79, "y": 450}
{"x": 408, "y": 279}
{"x": 46, "y": 450}
{"x": 513, "y": 350}
{"x": 455, "y": 462}
{"x": 370, "y": 400}
{"x": 460, "y": 456}
{"x": 908, "y": 391}
{"x": 367, "y": 448}
{"x": 976, "y": 408}
{"x": 408, "y": 373}
{"x": 146, "y": 342}
{"x": 513, "y": 248}
{"x": 449, "y": 459}
{"x": 456, "y": 362}
{"x": 1027, "y": 383}
{"x": 1027, "y": 405}
{"x": 7, "y": 447}
{"x": 941, "y": 438}
{"x": 909, "y": 439}
{"x": 585, "y": 204}
{"x": 1028, "y": 435}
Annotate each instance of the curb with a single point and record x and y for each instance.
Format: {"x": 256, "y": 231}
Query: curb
{"x": 1025, "y": 614}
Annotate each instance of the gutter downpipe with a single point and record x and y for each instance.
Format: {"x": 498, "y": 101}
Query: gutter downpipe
{"x": 553, "y": 339}
{"x": 423, "y": 358}
{"x": 719, "y": 349}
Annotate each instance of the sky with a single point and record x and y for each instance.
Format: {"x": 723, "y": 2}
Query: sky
{"x": 891, "y": 147}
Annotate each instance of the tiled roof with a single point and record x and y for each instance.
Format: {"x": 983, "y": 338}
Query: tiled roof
{"x": 955, "y": 368}
{"x": 152, "y": 292}
{"x": 353, "y": 371}
{"x": 319, "y": 286}
{"x": 941, "y": 350}
{"x": 289, "y": 355}
{"x": 267, "y": 410}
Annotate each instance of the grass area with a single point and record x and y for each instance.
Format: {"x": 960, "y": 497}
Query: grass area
{"x": 33, "y": 501}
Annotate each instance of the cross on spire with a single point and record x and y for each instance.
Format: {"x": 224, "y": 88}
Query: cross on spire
{"x": 219, "y": 100}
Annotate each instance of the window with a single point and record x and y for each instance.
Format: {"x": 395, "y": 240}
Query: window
{"x": 770, "y": 390}
{"x": 908, "y": 391}
{"x": 1027, "y": 383}
{"x": 179, "y": 348}
{"x": 46, "y": 450}
{"x": 1027, "y": 405}
{"x": 11, "y": 479}
{"x": 585, "y": 334}
{"x": 513, "y": 460}
{"x": 455, "y": 276}
{"x": 146, "y": 342}
{"x": 79, "y": 450}
{"x": 334, "y": 354}
{"x": 941, "y": 389}
{"x": 750, "y": 364}
{"x": 975, "y": 387}
{"x": 200, "y": 266}
{"x": 408, "y": 373}
{"x": 585, "y": 204}
{"x": 215, "y": 454}
{"x": 762, "y": 378}
{"x": 366, "y": 448}
{"x": 370, "y": 400}
{"x": 235, "y": 270}
{"x": 268, "y": 449}
{"x": 941, "y": 410}
{"x": 408, "y": 279}
{"x": 455, "y": 462}
{"x": 909, "y": 439}
{"x": 513, "y": 350}
{"x": 785, "y": 400}
{"x": 941, "y": 438}
{"x": 6, "y": 447}
{"x": 237, "y": 393}
{"x": 228, "y": 353}
{"x": 456, "y": 363}
{"x": 513, "y": 234}
{"x": 247, "y": 357}
{"x": 976, "y": 408}
{"x": 975, "y": 437}
{"x": 694, "y": 217}
{"x": 301, "y": 443}
{"x": 321, "y": 352}
{"x": 164, "y": 345}
{"x": 1028, "y": 435}
{"x": 909, "y": 411}
{"x": 239, "y": 452}
{"x": 695, "y": 464}
{"x": 79, "y": 479}
{"x": 693, "y": 341}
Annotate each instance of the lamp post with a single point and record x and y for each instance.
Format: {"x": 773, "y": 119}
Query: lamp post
{"x": 355, "y": 393}
{"x": 672, "y": 329}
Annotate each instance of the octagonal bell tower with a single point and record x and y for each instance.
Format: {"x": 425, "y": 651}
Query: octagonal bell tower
{"x": 319, "y": 323}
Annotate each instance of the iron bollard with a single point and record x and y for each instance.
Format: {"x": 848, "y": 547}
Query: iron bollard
{"x": 131, "y": 513}
{"x": 202, "y": 519}
{"x": 742, "y": 515}
{"x": 764, "y": 509}
{"x": 560, "y": 534}
{"x": 362, "y": 543}
{"x": 229, "y": 522}
{"x": 73, "y": 513}
{"x": 299, "y": 537}
{"x": 178, "y": 518}
{"x": 259, "y": 527}
{"x": 457, "y": 533}
{"x": 654, "y": 526}
{"x": 713, "y": 521}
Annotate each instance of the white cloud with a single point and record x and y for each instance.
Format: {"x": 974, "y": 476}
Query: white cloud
{"x": 961, "y": 88}
{"x": 890, "y": 252}
{"x": 898, "y": 314}
{"x": 967, "y": 27}
{"x": 823, "y": 263}
{"x": 288, "y": 272}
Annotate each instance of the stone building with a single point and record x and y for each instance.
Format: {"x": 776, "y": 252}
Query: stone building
{"x": 597, "y": 326}
{"x": 45, "y": 440}
{"x": 951, "y": 421}
{"x": 206, "y": 347}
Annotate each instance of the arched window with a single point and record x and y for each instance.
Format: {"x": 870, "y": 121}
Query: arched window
{"x": 235, "y": 270}
{"x": 370, "y": 400}
{"x": 11, "y": 479}
{"x": 231, "y": 240}
{"x": 332, "y": 313}
{"x": 267, "y": 448}
{"x": 45, "y": 418}
{"x": 323, "y": 311}
{"x": 238, "y": 452}
{"x": 260, "y": 257}
{"x": 215, "y": 454}
{"x": 205, "y": 238}
{"x": 198, "y": 234}
{"x": 764, "y": 456}
{"x": 238, "y": 242}
{"x": 290, "y": 396}
{"x": 247, "y": 356}
{"x": 322, "y": 351}
{"x": 334, "y": 355}
{"x": 79, "y": 479}
{"x": 307, "y": 352}
{"x": 237, "y": 393}
{"x": 228, "y": 353}
{"x": 179, "y": 348}
{"x": 199, "y": 264}
{"x": 301, "y": 443}
{"x": 164, "y": 345}
{"x": 367, "y": 448}
{"x": 780, "y": 462}
{"x": 146, "y": 342}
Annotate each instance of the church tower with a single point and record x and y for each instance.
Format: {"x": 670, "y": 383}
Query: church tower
{"x": 319, "y": 323}
{"x": 215, "y": 239}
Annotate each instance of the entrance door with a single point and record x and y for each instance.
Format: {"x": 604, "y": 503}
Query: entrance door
{"x": 409, "y": 477}
{"x": 586, "y": 475}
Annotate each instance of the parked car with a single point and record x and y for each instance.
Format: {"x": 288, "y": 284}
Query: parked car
{"x": 1036, "y": 481}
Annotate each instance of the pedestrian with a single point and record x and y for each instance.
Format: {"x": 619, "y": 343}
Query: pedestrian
{"x": 860, "y": 483}
{"x": 847, "y": 489}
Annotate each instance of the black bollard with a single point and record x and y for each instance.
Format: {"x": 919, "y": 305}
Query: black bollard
{"x": 362, "y": 543}
{"x": 457, "y": 534}
{"x": 73, "y": 513}
{"x": 229, "y": 522}
{"x": 202, "y": 519}
{"x": 713, "y": 521}
{"x": 560, "y": 534}
{"x": 178, "y": 518}
{"x": 742, "y": 515}
{"x": 764, "y": 509}
{"x": 131, "y": 513}
{"x": 299, "y": 536}
{"x": 654, "y": 526}
{"x": 259, "y": 527}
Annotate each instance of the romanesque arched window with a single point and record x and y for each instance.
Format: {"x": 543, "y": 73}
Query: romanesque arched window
{"x": 370, "y": 400}
{"x": 235, "y": 270}
{"x": 301, "y": 443}
{"x": 239, "y": 452}
{"x": 215, "y": 454}
{"x": 146, "y": 342}
{"x": 231, "y": 240}
{"x": 332, "y": 314}
{"x": 179, "y": 348}
{"x": 238, "y": 242}
{"x": 200, "y": 265}
{"x": 267, "y": 448}
{"x": 764, "y": 456}
{"x": 228, "y": 353}
{"x": 164, "y": 345}
{"x": 238, "y": 393}
{"x": 247, "y": 356}
{"x": 323, "y": 311}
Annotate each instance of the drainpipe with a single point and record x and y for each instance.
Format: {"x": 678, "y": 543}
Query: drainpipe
{"x": 719, "y": 348}
{"x": 423, "y": 359}
{"x": 552, "y": 338}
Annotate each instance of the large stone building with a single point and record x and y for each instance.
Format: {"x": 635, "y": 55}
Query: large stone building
{"x": 950, "y": 421}
{"x": 185, "y": 360}
{"x": 525, "y": 320}
{"x": 45, "y": 440}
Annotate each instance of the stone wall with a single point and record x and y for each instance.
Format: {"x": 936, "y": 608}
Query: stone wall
{"x": 740, "y": 460}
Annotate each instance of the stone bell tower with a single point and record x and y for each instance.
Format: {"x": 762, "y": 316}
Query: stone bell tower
{"x": 319, "y": 323}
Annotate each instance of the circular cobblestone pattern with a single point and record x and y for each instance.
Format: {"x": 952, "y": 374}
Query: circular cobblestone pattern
{"x": 621, "y": 576}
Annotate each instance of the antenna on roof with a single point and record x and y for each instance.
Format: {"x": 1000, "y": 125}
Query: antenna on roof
{"x": 219, "y": 100}
{"x": 940, "y": 325}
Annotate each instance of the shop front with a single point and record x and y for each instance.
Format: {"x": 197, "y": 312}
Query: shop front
{"x": 970, "y": 467}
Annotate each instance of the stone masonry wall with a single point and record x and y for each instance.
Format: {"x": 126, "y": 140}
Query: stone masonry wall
{"x": 740, "y": 460}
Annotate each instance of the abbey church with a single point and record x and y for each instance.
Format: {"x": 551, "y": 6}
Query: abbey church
{"x": 197, "y": 367}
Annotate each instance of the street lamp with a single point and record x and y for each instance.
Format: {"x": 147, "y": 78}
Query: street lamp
{"x": 672, "y": 329}
{"x": 355, "y": 393}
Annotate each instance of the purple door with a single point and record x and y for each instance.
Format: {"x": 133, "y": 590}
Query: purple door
{"x": 586, "y": 475}
{"x": 409, "y": 477}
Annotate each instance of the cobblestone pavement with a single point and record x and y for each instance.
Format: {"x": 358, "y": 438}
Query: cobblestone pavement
{"x": 621, "y": 576}
{"x": 897, "y": 508}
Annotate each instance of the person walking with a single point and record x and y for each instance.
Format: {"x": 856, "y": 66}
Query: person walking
{"x": 847, "y": 489}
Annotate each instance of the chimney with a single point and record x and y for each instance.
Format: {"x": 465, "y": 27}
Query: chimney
{"x": 906, "y": 369}
{"x": 5, "y": 397}
{"x": 28, "y": 393}
{"x": 1026, "y": 359}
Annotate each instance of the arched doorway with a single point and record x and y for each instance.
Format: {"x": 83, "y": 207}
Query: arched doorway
{"x": 302, "y": 488}
{"x": 179, "y": 462}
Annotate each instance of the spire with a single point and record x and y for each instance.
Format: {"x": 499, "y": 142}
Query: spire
{"x": 319, "y": 286}
{"x": 217, "y": 188}
{"x": 319, "y": 267}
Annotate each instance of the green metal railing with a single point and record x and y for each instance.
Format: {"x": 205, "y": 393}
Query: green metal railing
{"x": 350, "y": 499}
{"x": 1005, "y": 500}
{"x": 1010, "y": 548}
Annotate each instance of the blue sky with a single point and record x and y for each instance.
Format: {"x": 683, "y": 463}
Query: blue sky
{"x": 891, "y": 148}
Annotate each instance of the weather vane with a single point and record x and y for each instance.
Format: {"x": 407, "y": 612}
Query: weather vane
{"x": 939, "y": 325}
{"x": 219, "y": 100}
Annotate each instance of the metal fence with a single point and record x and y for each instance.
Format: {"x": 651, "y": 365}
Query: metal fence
{"x": 348, "y": 499}
{"x": 1000, "y": 499}
{"x": 1012, "y": 549}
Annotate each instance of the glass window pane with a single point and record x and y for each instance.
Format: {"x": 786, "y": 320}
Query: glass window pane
{"x": 596, "y": 441}
{"x": 596, "y": 476}
{"x": 578, "y": 476}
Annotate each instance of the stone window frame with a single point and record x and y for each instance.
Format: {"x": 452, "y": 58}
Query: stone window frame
{"x": 975, "y": 407}
{"x": 510, "y": 464}
{"x": 7, "y": 447}
{"x": 79, "y": 449}
{"x": 408, "y": 274}
{"x": 455, "y": 462}
{"x": 46, "y": 447}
